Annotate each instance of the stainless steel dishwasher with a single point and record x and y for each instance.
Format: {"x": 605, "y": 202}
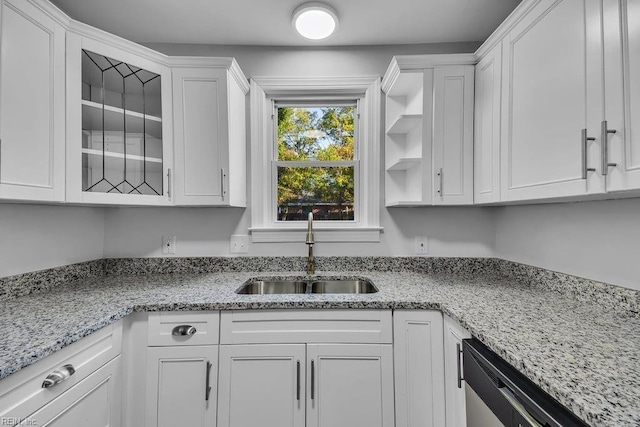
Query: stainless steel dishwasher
{"x": 499, "y": 395}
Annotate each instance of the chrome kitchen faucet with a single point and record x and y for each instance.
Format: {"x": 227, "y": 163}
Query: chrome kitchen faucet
{"x": 311, "y": 262}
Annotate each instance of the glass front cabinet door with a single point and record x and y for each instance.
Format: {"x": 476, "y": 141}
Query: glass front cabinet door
{"x": 118, "y": 124}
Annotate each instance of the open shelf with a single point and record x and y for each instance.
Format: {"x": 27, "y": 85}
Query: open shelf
{"x": 115, "y": 118}
{"x": 404, "y": 163}
{"x": 99, "y": 106}
{"x": 404, "y": 123}
{"x": 120, "y": 155}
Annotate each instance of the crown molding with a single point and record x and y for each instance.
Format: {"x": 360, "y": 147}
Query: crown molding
{"x": 496, "y": 37}
{"x": 308, "y": 85}
{"x": 212, "y": 62}
{"x": 420, "y": 62}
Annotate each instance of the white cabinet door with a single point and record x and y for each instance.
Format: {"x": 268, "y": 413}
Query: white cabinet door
{"x": 350, "y": 385}
{"x": 210, "y": 136}
{"x": 119, "y": 123}
{"x": 32, "y": 107}
{"x": 262, "y": 385}
{"x": 95, "y": 401}
{"x": 201, "y": 151}
{"x": 486, "y": 142}
{"x": 454, "y": 385}
{"x": 622, "y": 71}
{"x": 419, "y": 368}
{"x": 177, "y": 379}
{"x": 453, "y": 135}
{"x": 552, "y": 90}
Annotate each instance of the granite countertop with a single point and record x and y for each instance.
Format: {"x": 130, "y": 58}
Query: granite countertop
{"x": 584, "y": 355}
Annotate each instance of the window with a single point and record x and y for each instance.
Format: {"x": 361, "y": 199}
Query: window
{"x": 315, "y": 147}
{"x": 315, "y": 161}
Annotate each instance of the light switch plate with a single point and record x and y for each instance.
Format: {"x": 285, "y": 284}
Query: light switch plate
{"x": 168, "y": 245}
{"x": 421, "y": 245}
{"x": 239, "y": 244}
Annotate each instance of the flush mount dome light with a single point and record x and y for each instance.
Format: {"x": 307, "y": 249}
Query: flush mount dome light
{"x": 315, "y": 21}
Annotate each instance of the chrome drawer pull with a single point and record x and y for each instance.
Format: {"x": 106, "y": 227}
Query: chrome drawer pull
{"x": 184, "y": 330}
{"x": 59, "y": 375}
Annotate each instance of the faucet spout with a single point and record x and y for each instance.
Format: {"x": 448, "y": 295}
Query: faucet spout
{"x": 309, "y": 241}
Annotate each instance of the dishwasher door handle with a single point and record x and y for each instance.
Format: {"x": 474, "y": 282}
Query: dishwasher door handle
{"x": 519, "y": 407}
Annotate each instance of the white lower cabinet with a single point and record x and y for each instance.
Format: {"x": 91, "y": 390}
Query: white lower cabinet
{"x": 95, "y": 401}
{"x": 419, "y": 368}
{"x": 181, "y": 386}
{"x": 454, "y": 381}
{"x": 262, "y": 384}
{"x": 350, "y": 385}
{"x": 313, "y": 385}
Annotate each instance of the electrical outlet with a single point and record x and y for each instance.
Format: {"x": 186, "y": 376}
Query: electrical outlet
{"x": 421, "y": 245}
{"x": 239, "y": 244}
{"x": 168, "y": 245}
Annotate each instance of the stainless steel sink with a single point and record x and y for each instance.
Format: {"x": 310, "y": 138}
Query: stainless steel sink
{"x": 262, "y": 287}
{"x": 316, "y": 286}
{"x": 343, "y": 287}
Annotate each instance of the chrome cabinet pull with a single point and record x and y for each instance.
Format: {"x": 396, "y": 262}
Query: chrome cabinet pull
{"x": 585, "y": 147}
{"x": 313, "y": 380}
{"x": 605, "y": 131}
{"x": 207, "y": 389}
{"x": 459, "y": 360}
{"x": 59, "y": 375}
{"x": 222, "y": 176}
{"x": 441, "y": 176}
{"x": 184, "y": 330}
{"x": 169, "y": 183}
{"x": 298, "y": 380}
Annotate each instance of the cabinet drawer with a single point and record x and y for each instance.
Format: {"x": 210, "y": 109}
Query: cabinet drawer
{"x": 162, "y": 325}
{"x": 22, "y": 393}
{"x": 305, "y": 326}
{"x": 95, "y": 401}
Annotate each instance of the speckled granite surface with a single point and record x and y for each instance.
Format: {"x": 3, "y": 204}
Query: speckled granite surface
{"x": 43, "y": 280}
{"x": 583, "y": 354}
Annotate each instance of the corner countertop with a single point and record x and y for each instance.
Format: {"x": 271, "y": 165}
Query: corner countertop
{"x": 585, "y": 356}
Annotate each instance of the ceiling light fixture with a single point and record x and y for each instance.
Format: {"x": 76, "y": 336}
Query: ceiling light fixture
{"x": 315, "y": 21}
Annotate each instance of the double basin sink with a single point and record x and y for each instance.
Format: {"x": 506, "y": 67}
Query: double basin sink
{"x": 314, "y": 286}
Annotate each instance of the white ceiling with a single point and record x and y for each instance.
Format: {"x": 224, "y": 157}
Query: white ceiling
{"x": 268, "y": 22}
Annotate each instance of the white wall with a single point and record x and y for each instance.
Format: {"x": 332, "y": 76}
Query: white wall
{"x": 35, "y": 237}
{"x": 467, "y": 231}
{"x": 598, "y": 240}
{"x": 137, "y": 232}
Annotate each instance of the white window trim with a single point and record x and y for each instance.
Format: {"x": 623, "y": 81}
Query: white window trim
{"x": 263, "y": 226}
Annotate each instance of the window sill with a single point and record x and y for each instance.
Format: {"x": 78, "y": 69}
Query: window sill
{"x": 321, "y": 234}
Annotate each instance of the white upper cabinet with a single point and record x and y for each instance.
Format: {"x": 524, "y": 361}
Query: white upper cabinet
{"x": 453, "y": 135}
{"x": 487, "y": 127}
{"x": 210, "y": 132}
{"x": 32, "y": 107}
{"x": 119, "y": 121}
{"x": 552, "y": 90}
{"x": 429, "y": 130}
{"x": 622, "y": 113}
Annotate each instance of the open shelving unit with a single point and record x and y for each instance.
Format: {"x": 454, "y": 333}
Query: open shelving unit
{"x": 404, "y": 141}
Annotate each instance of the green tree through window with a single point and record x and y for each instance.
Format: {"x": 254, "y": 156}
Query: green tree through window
{"x": 316, "y": 161}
